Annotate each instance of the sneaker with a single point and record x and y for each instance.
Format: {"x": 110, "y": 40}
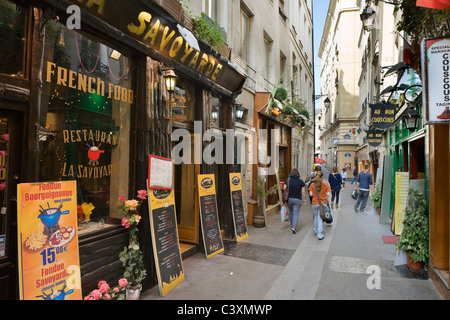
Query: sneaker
{"x": 363, "y": 211}
{"x": 356, "y": 208}
{"x": 294, "y": 231}
{"x": 445, "y": 115}
{"x": 321, "y": 238}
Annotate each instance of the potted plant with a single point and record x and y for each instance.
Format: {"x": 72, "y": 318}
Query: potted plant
{"x": 105, "y": 292}
{"x": 132, "y": 257}
{"x": 376, "y": 196}
{"x": 414, "y": 237}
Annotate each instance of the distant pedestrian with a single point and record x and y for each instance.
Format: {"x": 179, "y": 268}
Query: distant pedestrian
{"x": 363, "y": 184}
{"x": 355, "y": 175}
{"x": 344, "y": 176}
{"x": 297, "y": 197}
{"x": 321, "y": 188}
{"x": 335, "y": 180}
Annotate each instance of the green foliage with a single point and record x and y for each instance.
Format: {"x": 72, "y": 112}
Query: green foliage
{"x": 414, "y": 237}
{"x": 420, "y": 23}
{"x": 280, "y": 94}
{"x": 376, "y": 196}
{"x": 208, "y": 31}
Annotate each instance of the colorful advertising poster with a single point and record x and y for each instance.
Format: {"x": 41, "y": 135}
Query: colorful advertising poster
{"x": 436, "y": 72}
{"x": 240, "y": 225}
{"x": 166, "y": 246}
{"x": 49, "y": 265}
{"x": 401, "y": 198}
{"x": 212, "y": 239}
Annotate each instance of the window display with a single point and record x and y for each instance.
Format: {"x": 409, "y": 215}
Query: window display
{"x": 87, "y": 98}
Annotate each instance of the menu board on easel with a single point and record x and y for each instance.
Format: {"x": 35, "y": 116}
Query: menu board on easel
{"x": 401, "y": 198}
{"x": 240, "y": 226}
{"x": 165, "y": 240}
{"x": 212, "y": 239}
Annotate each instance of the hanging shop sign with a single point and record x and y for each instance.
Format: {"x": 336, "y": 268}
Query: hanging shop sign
{"x": 436, "y": 72}
{"x": 382, "y": 115}
{"x": 240, "y": 225}
{"x": 401, "y": 198}
{"x": 165, "y": 239}
{"x": 374, "y": 137}
{"x": 160, "y": 173}
{"x": 212, "y": 239}
{"x": 49, "y": 266}
{"x": 155, "y": 32}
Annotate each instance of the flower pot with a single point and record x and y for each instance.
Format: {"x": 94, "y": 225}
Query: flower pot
{"x": 133, "y": 293}
{"x": 258, "y": 221}
{"x": 379, "y": 210}
{"x": 412, "y": 264}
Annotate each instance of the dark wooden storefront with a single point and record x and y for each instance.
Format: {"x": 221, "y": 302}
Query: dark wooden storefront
{"x": 149, "y": 133}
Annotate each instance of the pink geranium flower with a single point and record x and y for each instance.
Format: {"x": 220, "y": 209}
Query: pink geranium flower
{"x": 123, "y": 282}
{"x": 121, "y": 199}
{"x": 131, "y": 205}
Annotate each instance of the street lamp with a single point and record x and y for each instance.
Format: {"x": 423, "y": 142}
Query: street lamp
{"x": 327, "y": 102}
{"x": 411, "y": 119}
{"x": 171, "y": 80}
{"x": 214, "y": 114}
{"x": 239, "y": 112}
{"x": 367, "y": 17}
{"x": 401, "y": 66}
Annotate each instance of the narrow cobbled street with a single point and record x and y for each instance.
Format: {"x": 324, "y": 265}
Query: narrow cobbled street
{"x": 275, "y": 264}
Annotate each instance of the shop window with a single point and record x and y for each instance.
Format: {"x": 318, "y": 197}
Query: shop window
{"x": 87, "y": 100}
{"x": 12, "y": 39}
{"x": 183, "y": 101}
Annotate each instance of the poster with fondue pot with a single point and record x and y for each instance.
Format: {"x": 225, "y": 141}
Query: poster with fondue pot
{"x": 49, "y": 264}
{"x": 436, "y": 72}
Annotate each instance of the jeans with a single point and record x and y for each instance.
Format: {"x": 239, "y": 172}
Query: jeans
{"x": 318, "y": 223}
{"x": 362, "y": 199}
{"x": 294, "y": 209}
{"x": 335, "y": 194}
{"x": 354, "y": 178}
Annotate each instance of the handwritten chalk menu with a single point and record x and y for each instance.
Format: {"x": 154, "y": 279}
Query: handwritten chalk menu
{"x": 240, "y": 226}
{"x": 160, "y": 173}
{"x": 49, "y": 264}
{"x": 212, "y": 238}
{"x": 166, "y": 246}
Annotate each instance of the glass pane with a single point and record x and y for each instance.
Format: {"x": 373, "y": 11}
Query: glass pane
{"x": 12, "y": 39}
{"x": 88, "y": 95}
{"x": 4, "y": 138}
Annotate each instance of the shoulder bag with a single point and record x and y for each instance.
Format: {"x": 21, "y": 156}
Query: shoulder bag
{"x": 286, "y": 192}
{"x": 322, "y": 208}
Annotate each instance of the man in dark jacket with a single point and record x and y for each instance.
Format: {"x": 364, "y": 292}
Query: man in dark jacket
{"x": 363, "y": 185}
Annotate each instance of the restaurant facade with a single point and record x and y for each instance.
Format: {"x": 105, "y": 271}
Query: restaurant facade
{"x": 90, "y": 104}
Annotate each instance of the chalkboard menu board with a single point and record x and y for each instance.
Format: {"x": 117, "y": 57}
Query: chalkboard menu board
{"x": 166, "y": 246}
{"x": 237, "y": 205}
{"x": 212, "y": 239}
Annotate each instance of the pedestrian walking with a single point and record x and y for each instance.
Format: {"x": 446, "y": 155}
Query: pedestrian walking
{"x": 363, "y": 184}
{"x": 323, "y": 190}
{"x": 344, "y": 176}
{"x": 355, "y": 175}
{"x": 335, "y": 180}
{"x": 297, "y": 197}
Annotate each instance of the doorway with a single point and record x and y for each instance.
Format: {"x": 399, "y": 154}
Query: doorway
{"x": 186, "y": 201}
{"x": 11, "y": 128}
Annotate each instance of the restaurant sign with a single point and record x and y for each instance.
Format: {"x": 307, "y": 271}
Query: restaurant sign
{"x": 142, "y": 24}
{"x": 382, "y": 115}
{"x": 436, "y": 72}
{"x": 374, "y": 137}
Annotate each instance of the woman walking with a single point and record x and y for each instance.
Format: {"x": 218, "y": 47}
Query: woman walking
{"x": 323, "y": 190}
{"x": 296, "y": 197}
{"x": 335, "y": 180}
